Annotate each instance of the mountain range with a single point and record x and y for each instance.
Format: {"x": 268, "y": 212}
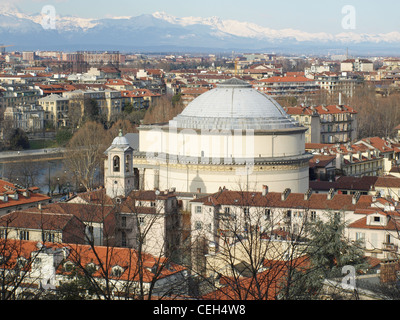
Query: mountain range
{"x": 161, "y": 32}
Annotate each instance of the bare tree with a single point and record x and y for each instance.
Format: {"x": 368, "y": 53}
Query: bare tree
{"x": 162, "y": 110}
{"x": 84, "y": 154}
{"x": 258, "y": 251}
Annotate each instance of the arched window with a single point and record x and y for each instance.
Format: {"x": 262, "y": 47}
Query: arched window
{"x": 128, "y": 163}
{"x": 116, "y": 164}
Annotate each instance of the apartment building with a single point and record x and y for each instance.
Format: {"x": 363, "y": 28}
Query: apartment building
{"x": 288, "y": 85}
{"x": 326, "y": 124}
{"x": 29, "y": 118}
{"x": 336, "y": 83}
{"x": 56, "y": 108}
{"x": 308, "y": 118}
{"x": 35, "y": 225}
{"x": 110, "y": 102}
{"x": 356, "y": 65}
{"x": 338, "y": 123}
{"x": 19, "y": 94}
{"x": 230, "y": 214}
{"x": 139, "y": 98}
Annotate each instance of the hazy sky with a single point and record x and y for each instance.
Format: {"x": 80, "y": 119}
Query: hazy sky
{"x": 307, "y": 15}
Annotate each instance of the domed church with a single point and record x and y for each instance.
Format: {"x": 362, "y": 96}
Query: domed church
{"x": 232, "y": 136}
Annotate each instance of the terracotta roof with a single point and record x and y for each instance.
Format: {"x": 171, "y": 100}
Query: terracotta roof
{"x": 355, "y": 183}
{"x": 84, "y": 212}
{"x": 294, "y": 200}
{"x": 379, "y": 143}
{"x": 334, "y": 109}
{"x": 313, "y": 146}
{"x": 152, "y": 267}
{"x": 265, "y": 285}
{"x": 321, "y": 161}
{"x": 287, "y": 79}
{"x": 10, "y": 188}
{"x": 109, "y": 257}
{"x": 388, "y": 182}
{"x": 35, "y": 220}
{"x": 362, "y": 224}
{"x": 298, "y": 110}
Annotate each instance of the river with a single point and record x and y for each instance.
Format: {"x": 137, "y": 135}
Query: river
{"x": 43, "y": 174}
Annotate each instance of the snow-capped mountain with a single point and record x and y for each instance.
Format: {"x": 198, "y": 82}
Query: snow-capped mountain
{"x": 162, "y": 31}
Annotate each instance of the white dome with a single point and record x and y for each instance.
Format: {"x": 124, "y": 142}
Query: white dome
{"x": 120, "y": 140}
{"x": 234, "y": 104}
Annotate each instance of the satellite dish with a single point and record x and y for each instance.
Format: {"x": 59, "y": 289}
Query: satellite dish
{"x": 157, "y": 192}
{"x": 39, "y": 245}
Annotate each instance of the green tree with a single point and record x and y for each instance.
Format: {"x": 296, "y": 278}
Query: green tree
{"x": 63, "y": 136}
{"x": 78, "y": 286}
{"x": 328, "y": 251}
{"x": 91, "y": 110}
{"x": 18, "y": 140}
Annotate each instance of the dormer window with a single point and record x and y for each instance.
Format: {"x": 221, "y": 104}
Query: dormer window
{"x": 117, "y": 271}
{"x": 377, "y": 219}
{"x": 116, "y": 164}
{"x": 68, "y": 266}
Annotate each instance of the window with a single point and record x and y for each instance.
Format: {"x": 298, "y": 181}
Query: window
{"x": 377, "y": 219}
{"x": 68, "y": 266}
{"x": 246, "y": 211}
{"x": 117, "y": 271}
{"x": 123, "y": 239}
{"x": 24, "y": 235}
{"x": 141, "y": 221}
{"x": 116, "y": 164}
{"x": 198, "y": 209}
{"x": 267, "y": 214}
{"x": 360, "y": 236}
{"x": 123, "y": 222}
{"x": 48, "y": 237}
{"x": 198, "y": 225}
{"x": 227, "y": 210}
{"x": 313, "y": 215}
{"x": 127, "y": 163}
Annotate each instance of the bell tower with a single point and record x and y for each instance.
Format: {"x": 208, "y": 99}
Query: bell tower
{"x": 118, "y": 168}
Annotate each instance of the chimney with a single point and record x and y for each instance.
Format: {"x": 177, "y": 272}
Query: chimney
{"x": 340, "y": 98}
{"x": 285, "y": 194}
{"x": 265, "y": 190}
{"x": 331, "y": 193}
{"x": 198, "y": 190}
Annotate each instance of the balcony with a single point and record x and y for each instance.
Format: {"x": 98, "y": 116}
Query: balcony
{"x": 390, "y": 247}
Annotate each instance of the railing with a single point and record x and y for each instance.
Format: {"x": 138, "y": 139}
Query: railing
{"x": 390, "y": 247}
